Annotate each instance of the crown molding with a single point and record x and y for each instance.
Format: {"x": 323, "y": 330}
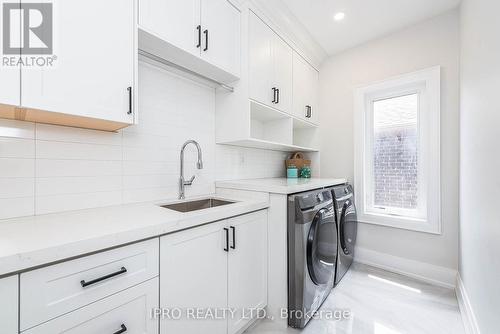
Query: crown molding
{"x": 291, "y": 29}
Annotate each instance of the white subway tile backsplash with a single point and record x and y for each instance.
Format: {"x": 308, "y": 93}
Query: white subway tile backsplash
{"x": 149, "y": 167}
{"x": 148, "y": 154}
{"x": 149, "y": 194}
{"x": 48, "y": 168}
{"x": 68, "y": 202}
{"x": 149, "y": 181}
{"x": 77, "y": 151}
{"x": 11, "y": 167}
{"x": 15, "y": 187}
{"x": 77, "y": 184}
{"x": 55, "y": 168}
{"x": 17, "y": 148}
{"x": 17, "y": 207}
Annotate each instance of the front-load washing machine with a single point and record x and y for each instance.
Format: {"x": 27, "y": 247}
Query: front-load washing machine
{"x": 312, "y": 253}
{"x": 347, "y": 228}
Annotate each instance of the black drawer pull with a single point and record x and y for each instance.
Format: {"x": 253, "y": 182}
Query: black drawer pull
{"x": 198, "y": 28}
{"x": 84, "y": 284}
{"x": 308, "y": 111}
{"x": 122, "y": 329}
{"x": 226, "y": 249}
{"x": 233, "y": 246}
{"x": 206, "y": 39}
{"x": 130, "y": 108}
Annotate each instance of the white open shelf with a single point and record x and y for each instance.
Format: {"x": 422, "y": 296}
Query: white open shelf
{"x": 270, "y": 129}
{"x": 304, "y": 134}
{"x": 269, "y": 125}
{"x": 269, "y": 145}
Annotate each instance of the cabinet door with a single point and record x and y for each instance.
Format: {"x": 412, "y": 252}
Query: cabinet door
{"x": 9, "y": 305}
{"x": 305, "y": 89}
{"x": 125, "y": 312}
{"x": 193, "y": 275}
{"x": 247, "y": 267}
{"x": 282, "y": 64}
{"x": 175, "y": 21}
{"x": 94, "y": 42}
{"x": 314, "y": 97}
{"x": 260, "y": 61}
{"x": 220, "y": 45}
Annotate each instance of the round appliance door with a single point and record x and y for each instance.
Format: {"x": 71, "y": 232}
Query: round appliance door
{"x": 322, "y": 247}
{"x": 348, "y": 227}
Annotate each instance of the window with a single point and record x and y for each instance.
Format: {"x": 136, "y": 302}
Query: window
{"x": 397, "y": 152}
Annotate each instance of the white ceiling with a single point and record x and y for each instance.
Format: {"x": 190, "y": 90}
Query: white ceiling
{"x": 364, "y": 20}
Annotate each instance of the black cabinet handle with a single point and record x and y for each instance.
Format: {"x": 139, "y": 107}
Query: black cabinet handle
{"x": 84, "y": 284}
{"x": 226, "y": 249}
{"x": 274, "y": 94}
{"x": 206, "y": 40}
{"x": 122, "y": 329}
{"x": 308, "y": 111}
{"x": 278, "y": 96}
{"x": 199, "y": 36}
{"x": 129, "y": 89}
{"x": 233, "y": 246}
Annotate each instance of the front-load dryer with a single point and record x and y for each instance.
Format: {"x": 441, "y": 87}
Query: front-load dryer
{"x": 347, "y": 228}
{"x": 312, "y": 253}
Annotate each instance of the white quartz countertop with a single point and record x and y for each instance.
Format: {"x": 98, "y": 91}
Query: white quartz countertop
{"x": 280, "y": 185}
{"x": 38, "y": 240}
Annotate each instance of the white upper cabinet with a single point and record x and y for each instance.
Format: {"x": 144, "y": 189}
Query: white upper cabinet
{"x": 282, "y": 57}
{"x": 270, "y": 66}
{"x": 9, "y": 305}
{"x": 176, "y": 21}
{"x": 220, "y": 42}
{"x": 305, "y": 90}
{"x": 260, "y": 61}
{"x": 93, "y": 76}
{"x": 200, "y": 35}
{"x": 274, "y": 106}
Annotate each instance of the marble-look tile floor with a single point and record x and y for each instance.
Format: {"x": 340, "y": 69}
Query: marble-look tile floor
{"x": 381, "y": 302}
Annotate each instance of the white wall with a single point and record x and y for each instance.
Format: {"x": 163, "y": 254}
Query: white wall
{"x": 430, "y": 43}
{"x": 46, "y": 168}
{"x": 480, "y": 160}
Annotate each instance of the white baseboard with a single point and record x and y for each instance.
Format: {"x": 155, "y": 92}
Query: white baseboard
{"x": 430, "y": 273}
{"x": 468, "y": 317}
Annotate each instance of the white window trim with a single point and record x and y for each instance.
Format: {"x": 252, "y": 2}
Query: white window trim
{"x": 428, "y": 83}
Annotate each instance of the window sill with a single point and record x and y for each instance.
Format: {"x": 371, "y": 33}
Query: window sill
{"x": 409, "y": 224}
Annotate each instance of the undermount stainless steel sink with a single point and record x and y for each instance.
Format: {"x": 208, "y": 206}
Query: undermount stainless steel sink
{"x": 201, "y": 204}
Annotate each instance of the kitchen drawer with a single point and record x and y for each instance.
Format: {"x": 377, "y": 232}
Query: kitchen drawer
{"x": 52, "y": 291}
{"x": 126, "y": 312}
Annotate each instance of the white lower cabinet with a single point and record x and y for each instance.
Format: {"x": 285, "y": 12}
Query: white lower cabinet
{"x": 193, "y": 274}
{"x": 247, "y": 268}
{"x": 207, "y": 271}
{"x": 126, "y": 312}
{"x": 9, "y": 305}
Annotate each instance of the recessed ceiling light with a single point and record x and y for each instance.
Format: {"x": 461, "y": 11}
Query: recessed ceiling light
{"x": 339, "y": 16}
